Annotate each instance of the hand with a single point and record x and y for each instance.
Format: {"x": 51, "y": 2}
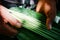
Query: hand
{"x": 5, "y": 18}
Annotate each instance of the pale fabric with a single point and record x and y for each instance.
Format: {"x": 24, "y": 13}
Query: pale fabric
{"x": 31, "y": 1}
{"x": 57, "y": 19}
{"x": 12, "y": 1}
{"x": 23, "y": 1}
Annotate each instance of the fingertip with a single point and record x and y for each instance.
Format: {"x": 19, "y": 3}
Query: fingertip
{"x": 50, "y": 27}
{"x": 18, "y": 25}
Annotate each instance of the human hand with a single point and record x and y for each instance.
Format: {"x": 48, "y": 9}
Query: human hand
{"x": 5, "y": 18}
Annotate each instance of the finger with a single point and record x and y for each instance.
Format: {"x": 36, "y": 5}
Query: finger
{"x": 7, "y": 16}
{"x": 10, "y": 30}
{"x": 5, "y": 29}
{"x": 39, "y": 5}
{"x": 47, "y": 8}
{"x": 5, "y": 21}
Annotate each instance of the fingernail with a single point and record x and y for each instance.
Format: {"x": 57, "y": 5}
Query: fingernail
{"x": 50, "y": 26}
{"x": 18, "y": 25}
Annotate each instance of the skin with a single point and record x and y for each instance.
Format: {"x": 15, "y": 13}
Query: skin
{"x": 49, "y": 9}
{"x": 5, "y": 18}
